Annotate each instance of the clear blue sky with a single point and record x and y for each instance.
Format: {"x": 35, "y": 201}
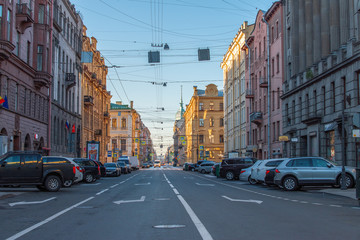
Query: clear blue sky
{"x": 126, "y": 29}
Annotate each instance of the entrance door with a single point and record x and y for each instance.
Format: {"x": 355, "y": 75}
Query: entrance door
{"x": 313, "y": 146}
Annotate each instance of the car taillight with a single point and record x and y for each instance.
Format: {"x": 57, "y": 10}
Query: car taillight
{"x": 277, "y": 171}
{"x": 267, "y": 171}
{"x": 74, "y": 169}
{"x": 242, "y": 171}
{"x": 99, "y": 170}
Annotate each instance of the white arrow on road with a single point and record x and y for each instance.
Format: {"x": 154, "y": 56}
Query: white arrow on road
{"x": 239, "y": 200}
{"x": 130, "y": 201}
{"x": 24, "y": 203}
{"x": 205, "y": 184}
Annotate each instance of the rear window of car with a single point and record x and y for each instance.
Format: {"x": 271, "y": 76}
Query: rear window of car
{"x": 110, "y": 165}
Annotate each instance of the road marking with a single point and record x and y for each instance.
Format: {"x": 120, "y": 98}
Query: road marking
{"x": 318, "y": 204}
{"x": 304, "y": 202}
{"x": 161, "y": 199}
{"x": 210, "y": 176}
{"x": 131, "y": 201}
{"x": 169, "y": 226}
{"x": 176, "y": 191}
{"x": 102, "y": 191}
{"x": 114, "y": 185}
{"x": 205, "y": 184}
{"x": 16, "y": 236}
{"x": 240, "y": 200}
{"x": 121, "y": 182}
{"x": 335, "y": 206}
{"x": 36, "y": 202}
{"x": 141, "y": 184}
{"x": 92, "y": 184}
{"x": 172, "y": 186}
{"x": 198, "y": 224}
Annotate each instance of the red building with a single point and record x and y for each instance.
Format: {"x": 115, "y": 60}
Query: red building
{"x": 25, "y": 74}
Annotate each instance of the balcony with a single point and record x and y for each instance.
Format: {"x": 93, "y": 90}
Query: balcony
{"x": 70, "y": 80}
{"x": 312, "y": 118}
{"x": 98, "y": 132}
{"x": 263, "y": 82}
{"x": 42, "y": 79}
{"x": 249, "y": 93}
{"x": 88, "y": 100}
{"x": 106, "y": 115}
{"x": 256, "y": 117}
{"x": 23, "y": 17}
{"x": 6, "y": 49}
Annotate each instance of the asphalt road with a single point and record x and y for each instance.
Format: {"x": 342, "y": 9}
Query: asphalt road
{"x": 168, "y": 203}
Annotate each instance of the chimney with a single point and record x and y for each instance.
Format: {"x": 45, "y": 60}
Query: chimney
{"x": 131, "y": 104}
{"x": 195, "y": 90}
{"x": 119, "y": 102}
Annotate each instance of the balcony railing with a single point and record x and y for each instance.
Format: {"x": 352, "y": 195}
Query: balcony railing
{"x": 70, "y": 80}
{"x": 263, "y": 82}
{"x": 23, "y": 17}
{"x": 88, "y": 100}
{"x": 256, "y": 117}
{"x": 249, "y": 93}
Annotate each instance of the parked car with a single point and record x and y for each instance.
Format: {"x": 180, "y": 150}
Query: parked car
{"x": 205, "y": 167}
{"x": 245, "y": 173}
{"x": 102, "y": 168}
{"x": 127, "y": 163}
{"x": 258, "y": 171}
{"x": 230, "y": 167}
{"x": 269, "y": 177}
{"x": 92, "y": 170}
{"x": 124, "y": 167}
{"x": 112, "y": 169}
{"x": 145, "y": 165}
{"x": 29, "y": 168}
{"x": 79, "y": 174}
{"x": 293, "y": 173}
{"x": 191, "y": 167}
{"x": 213, "y": 168}
{"x": 157, "y": 163}
{"x": 186, "y": 166}
{"x": 198, "y": 164}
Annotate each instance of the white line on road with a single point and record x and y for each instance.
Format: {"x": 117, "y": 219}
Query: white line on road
{"x": 198, "y": 224}
{"x": 114, "y": 185}
{"x": 131, "y": 201}
{"x": 335, "y": 206}
{"x": 141, "y": 184}
{"x": 169, "y": 226}
{"x": 16, "y": 236}
{"x": 102, "y": 191}
{"x": 36, "y": 202}
{"x": 162, "y": 199}
{"x": 240, "y": 200}
{"x": 205, "y": 184}
{"x": 92, "y": 184}
{"x": 172, "y": 186}
{"x": 176, "y": 191}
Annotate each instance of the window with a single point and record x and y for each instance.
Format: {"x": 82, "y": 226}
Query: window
{"x": 221, "y": 138}
{"x": 278, "y": 98}
{"x": 201, "y": 106}
{"x": 114, "y": 123}
{"x": 315, "y": 102}
{"x": 211, "y": 106}
{"x": 16, "y": 97}
{"x": 212, "y": 122}
{"x": 272, "y": 67}
{"x": 27, "y": 52}
{"x": 277, "y": 29}
{"x": 221, "y": 106}
{"x": 201, "y": 138}
{"x": 123, "y": 145}
{"x": 123, "y": 123}
{"x": 277, "y": 63}
{"x": 201, "y": 122}
{"x": 221, "y": 122}
{"x": 48, "y": 14}
{"x": 8, "y": 24}
{"x": 320, "y": 163}
{"x": 333, "y": 96}
{"x": 41, "y": 15}
{"x": 344, "y": 92}
{"x": 293, "y": 112}
{"x": 302, "y": 162}
{"x": 1, "y": 8}
{"x": 39, "y": 58}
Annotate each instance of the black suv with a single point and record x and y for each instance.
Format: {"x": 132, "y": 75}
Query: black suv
{"x": 29, "y": 168}
{"x": 230, "y": 167}
{"x": 92, "y": 169}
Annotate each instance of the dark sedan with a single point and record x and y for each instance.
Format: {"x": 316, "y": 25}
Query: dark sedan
{"x": 92, "y": 169}
{"x": 112, "y": 169}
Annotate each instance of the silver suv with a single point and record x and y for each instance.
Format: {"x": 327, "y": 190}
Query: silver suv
{"x": 293, "y": 173}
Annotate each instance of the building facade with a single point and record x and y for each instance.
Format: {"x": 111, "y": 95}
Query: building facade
{"x": 95, "y": 99}
{"x": 204, "y": 124}
{"x": 235, "y": 117}
{"x": 66, "y": 83}
{"x": 25, "y": 74}
{"x": 321, "y": 100}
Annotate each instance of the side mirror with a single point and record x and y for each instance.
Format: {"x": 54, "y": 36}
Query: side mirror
{"x": 329, "y": 165}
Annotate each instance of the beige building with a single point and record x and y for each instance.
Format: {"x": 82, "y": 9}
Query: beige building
{"x": 96, "y": 99}
{"x": 204, "y": 124}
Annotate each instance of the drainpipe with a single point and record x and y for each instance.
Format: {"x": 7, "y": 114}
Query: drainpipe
{"x": 269, "y": 85}
{"x": 250, "y": 90}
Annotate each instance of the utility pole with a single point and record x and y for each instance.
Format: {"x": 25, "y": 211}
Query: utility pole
{"x": 343, "y": 183}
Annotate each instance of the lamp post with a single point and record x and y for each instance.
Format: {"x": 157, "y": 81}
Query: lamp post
{"x": 343, "y": 183}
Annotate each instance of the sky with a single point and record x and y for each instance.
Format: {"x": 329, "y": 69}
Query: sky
{"x": 126, "y": 30}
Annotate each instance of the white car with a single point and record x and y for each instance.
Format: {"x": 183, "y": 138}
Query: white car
{"x": 78, "y": 173}
{"x": 258, "y": 172}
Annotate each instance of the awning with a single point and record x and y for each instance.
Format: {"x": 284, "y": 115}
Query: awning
{"x": 330, "y": 126}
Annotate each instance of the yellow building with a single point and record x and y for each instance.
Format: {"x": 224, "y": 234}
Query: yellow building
{"x": 204, "y": 125}
{"x": 96, "y": 99}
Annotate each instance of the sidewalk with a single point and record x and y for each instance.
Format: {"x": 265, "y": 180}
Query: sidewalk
{"x": 350, "y": 193}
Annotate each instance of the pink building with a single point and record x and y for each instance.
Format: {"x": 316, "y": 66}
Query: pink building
{"x": 264, "y": 88}
{"x": 25, "y": 74}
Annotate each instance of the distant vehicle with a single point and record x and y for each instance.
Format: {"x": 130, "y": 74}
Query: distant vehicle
{"x": 29, "y": 168}
{"x": 230, "y": 167}
{"x": 123, "y": 166}
{"x": 145, "y": 165}
{"x": 258, "y": 172}
{"x": 157, "y": 163}
{"x": 112, "y": 169}
{"x": 134, "y": 161}
{"x": 126, "y": 160}
{"x": 205, "y": 167}
{"x": 92, "y": 169}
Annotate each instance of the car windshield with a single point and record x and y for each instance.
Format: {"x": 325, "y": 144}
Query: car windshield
{"x": 110, "y": 165}
{"x": 121, "y": 163}
{"x": 124, "y": 160}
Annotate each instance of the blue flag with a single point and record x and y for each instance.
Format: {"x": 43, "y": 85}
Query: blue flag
{"x": 6, "y": 104}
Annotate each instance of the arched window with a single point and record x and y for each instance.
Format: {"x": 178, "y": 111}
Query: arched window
{"x": 27, "y": 144}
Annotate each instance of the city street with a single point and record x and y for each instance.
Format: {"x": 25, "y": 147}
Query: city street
{"x": 168, "y": 203}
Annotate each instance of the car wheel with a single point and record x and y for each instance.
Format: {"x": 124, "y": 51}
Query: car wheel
{"x": 68, "y": 183}
{"x": 203, "y": 171}
{"x": 229, "y": 175}
{"x": 252, "y": 181}
{"x": 349, "y": 182}
{"x": 89, "y": 178}
{"x": 290, "y": 183}
{"x": 52, "y": 183}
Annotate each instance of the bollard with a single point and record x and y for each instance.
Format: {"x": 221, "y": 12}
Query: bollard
{"x": 357, "y": 182}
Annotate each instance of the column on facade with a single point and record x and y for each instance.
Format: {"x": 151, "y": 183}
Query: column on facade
{"x": 302, "y": 36}
{"x": 325, "y": 28}
{"x": 309, "y": 32}
{"x": 317, "y": 31}
{"x": 334, "y": 25}
{"x": 344, "y": 21}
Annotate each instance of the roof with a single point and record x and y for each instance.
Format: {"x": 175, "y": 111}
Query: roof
{"x": 202, "y": 93}
{"x": 114, "y": 106}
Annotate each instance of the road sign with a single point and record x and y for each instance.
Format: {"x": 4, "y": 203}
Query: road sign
{"x": 109, "y": 153}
